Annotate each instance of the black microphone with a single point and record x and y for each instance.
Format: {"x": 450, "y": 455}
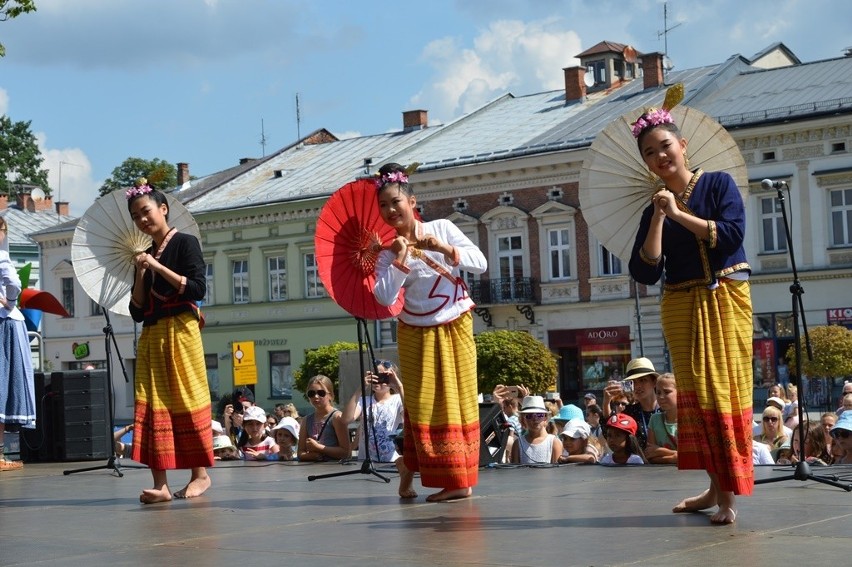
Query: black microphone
{"x": 769, "y": 184}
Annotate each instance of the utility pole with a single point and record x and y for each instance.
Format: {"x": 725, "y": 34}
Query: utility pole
{"x": 665, "y": 35}
{"x": 298, "y": 119}
{"x": 263, "y": 138}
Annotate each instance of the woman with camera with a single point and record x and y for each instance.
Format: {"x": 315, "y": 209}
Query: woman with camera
{"x": 384, "y": 419}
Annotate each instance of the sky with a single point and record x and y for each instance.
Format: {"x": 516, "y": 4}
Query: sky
{"x": 204, "y": 81}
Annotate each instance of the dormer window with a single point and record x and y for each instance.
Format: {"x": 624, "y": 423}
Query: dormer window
{"x": 598, "y": 71}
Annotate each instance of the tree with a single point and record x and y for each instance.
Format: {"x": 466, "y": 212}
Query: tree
{"x": 323, "y": 360}
{"x": 832, "y": 350}
{"x": 20, "y": 158}
{"x": 160, "y": 174}
{"x": 514, "y": 357}
{"x": 10, "y": 9}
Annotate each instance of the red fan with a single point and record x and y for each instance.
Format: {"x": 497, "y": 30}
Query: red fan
{"x": 349, "y": 236}
{"x": 41, "y": 300}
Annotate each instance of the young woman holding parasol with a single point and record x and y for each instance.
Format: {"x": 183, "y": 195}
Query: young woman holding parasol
{"x": 693, "y": 231}
{"x": 435, "y": 338}
{"x": 172, "y": 411}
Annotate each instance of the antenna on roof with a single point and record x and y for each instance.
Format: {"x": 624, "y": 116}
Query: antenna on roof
{"x": 667, "y": 62}
{"x": 263, "y": 138}
{"x": 298, "y": 119}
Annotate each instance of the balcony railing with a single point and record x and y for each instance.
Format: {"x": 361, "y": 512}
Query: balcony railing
{"x": 503, "y": 291}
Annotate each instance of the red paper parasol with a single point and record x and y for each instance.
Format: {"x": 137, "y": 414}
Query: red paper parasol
{"x": 41, "y": 300}
{"x": 349, "y": 236}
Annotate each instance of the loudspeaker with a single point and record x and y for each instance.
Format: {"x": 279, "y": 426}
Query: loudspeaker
{"x": 74, "y": 420}
{"x": 37, "y": 444}
{"x": 493, "y": 434}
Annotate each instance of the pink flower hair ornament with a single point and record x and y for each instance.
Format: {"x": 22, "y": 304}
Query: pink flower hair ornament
{"x": 651, "y": 117}
{"x": 141, "y": 188}
{"x": 392, "y": 177}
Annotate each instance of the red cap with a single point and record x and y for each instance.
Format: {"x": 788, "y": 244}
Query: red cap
{"x": 623, "y": 422}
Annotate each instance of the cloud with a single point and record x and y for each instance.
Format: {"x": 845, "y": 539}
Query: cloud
{"x": 4, "y": 102}
{"x": 76, "y": 187}
{"x": 509, "y": 55}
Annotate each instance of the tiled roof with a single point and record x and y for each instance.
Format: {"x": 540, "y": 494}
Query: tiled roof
{"x": 24, "y": 223}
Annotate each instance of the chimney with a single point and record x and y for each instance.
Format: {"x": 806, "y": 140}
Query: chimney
{"x": 62, "y": 208}
{"x": 575, "y": 86}
{"x": 182, "y": 173}
{"x": 4, "y": 202}
{"x": 415, "y": 119}
{"x": 45, "y": 204}
{"x": 652, "y": 70}
{"x": 25, "y": 201}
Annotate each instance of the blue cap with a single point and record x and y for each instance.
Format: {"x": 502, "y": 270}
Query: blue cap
{"x": 568, "y": 412}
{"x": 843, "y": 422}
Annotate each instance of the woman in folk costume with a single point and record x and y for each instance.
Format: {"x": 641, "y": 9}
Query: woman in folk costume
{"x": 693, "y": 231}
{"x": 172, "y": 413}
{"x": 435, "y": 338}
{"x": 17, "y": 390}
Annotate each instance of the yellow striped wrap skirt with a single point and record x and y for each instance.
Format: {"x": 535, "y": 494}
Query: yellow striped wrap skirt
{"x": 441, "y": 425}
{"x": 172, "y": 414}
{"x": 709, "y": 335}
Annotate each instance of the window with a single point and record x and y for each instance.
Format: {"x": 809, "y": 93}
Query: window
{"x": 559, "y": 252}
{"x": 208, "y": 280}
{"x": 313, "y": 284}
{"x": 598, "y": 70}
{"x": 211, "y": 361}
{"x": 773, "y": 236}
{"x": 241, "y": 281}
{"x": 510, "y": 260}
{"x": 609, "y": 262}
{"x": 95, "y": 308}
{"x": 68, "y": 295}
{"x": 277, "y": 278}
{"x": 841, "y": 217}
{"x": 280, "y": 374}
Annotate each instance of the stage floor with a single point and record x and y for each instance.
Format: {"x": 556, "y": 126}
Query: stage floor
{"x": 266, "y": 514}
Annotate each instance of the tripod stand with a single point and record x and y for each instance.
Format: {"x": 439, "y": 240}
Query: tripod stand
{"x": 802, "y": 469}
{"x": 113, "y": 461}
{"x": 367, "y": 465}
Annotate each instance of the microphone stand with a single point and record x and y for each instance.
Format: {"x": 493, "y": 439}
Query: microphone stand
{"x": 802, "y": 470}
{"x": 113, "y": 461}
{"x": 366, "y": 412}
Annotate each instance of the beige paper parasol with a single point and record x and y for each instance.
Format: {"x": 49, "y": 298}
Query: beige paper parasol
{"x": 616, "y": 186}
{"x": 105, "y": 243}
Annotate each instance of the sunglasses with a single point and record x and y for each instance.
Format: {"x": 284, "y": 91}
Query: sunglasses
{"x": 316, "y": 393}
{"x": 770, "y": 419}
{"x": 621, "y": 403}
{"x": 535, "y": 416}
{"x": 842, "y": 433}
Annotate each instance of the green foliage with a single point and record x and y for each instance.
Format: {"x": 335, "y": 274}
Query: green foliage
{"x": 160, "y": 174}
{"x": 323, "y": 360}
{"x": 20, "y": 158}
{"x": 514, "y": 357}
{"x": 10, "y": 9}
{"x": 832, "y": 350}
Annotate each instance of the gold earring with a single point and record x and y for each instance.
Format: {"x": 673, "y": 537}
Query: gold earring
{"x": 686, "y": 160}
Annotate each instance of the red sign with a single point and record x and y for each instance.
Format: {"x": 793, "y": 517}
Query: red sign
{"x": 839, "y": 315}
{"x": 764, "y": 353}
{"x": 604, "y": 335}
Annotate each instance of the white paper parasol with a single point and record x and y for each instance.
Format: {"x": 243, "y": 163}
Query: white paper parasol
{"x": 616, "y": 186}
{"x": 105, "y": 242}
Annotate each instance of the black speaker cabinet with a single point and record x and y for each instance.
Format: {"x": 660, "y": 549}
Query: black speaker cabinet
{"x": 494, "y": 433}
{"x": 72, "y": 418}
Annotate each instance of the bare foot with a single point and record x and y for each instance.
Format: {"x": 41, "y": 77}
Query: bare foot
{"x": 447, "y": 495}
{"x": 725, "y": 515}
{"x": 706, "y": 499}
{"x": 153, "y": 495}
{"x": 406, "y": 478}
{"x": 195, "y": 488}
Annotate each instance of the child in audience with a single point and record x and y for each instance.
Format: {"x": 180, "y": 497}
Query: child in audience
{"x": 224, "y": 450}
{"x": 257, "y": 444}
{"x": 578, "y": 444}
{"x": 662, "y": 427}
{"x": 842, "y": 441}
{"x": 536, "y": 446}
{"x": 621, "y": 437}
{"x": 594, "y": 414}
{"x": 286, "y": 435}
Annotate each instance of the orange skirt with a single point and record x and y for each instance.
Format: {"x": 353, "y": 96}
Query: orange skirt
{"x": 709, "y": 335}
{"x": 172, "y": 417}
{"x": 441, "y": 426}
